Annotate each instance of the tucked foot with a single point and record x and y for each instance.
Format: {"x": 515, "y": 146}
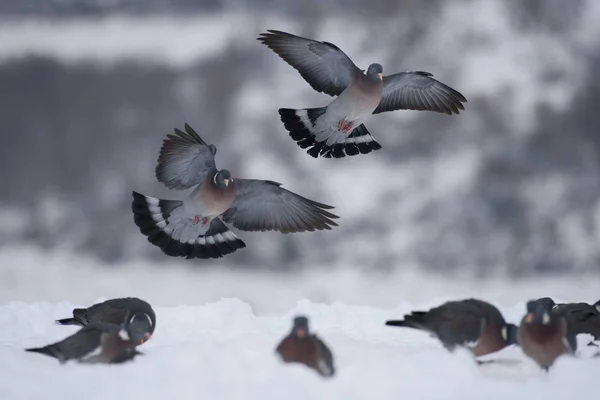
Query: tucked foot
{"x": 197, "y": 219}
{"x": 344, "y": 126}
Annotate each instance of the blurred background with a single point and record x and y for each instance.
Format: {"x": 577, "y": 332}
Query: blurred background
{"x": 504, "y": 193}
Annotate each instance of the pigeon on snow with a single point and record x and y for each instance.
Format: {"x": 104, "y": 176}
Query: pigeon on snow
{"x": 471, "y": 323}
{"x": 102, "y": 343}
{"x": 543, "y": 336}
{"x": 113, "y": 311}
{"x": 301, "y": 346}
{"x": 337, "y": 130}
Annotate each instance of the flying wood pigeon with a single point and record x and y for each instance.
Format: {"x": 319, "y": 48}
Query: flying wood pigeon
{"x": 337, "y": 130}
{"x": 192, "y": 228}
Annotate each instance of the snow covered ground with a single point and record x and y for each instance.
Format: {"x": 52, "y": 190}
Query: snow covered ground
{"x": 222, "y": 350}
{"x": 217, "y": 329}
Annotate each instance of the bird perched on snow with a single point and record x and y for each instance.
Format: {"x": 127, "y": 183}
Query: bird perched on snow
{"x": 193, "y": 227}
{"x": 471, "y": 323}
{"x": 543, "y": 335}
{"x": 337, "y": 129}
{"x": 301, "y": 346}
{"x": 581, "y": 317}
{"x": 102, "y": 343}
{"x": 113, "y": 311}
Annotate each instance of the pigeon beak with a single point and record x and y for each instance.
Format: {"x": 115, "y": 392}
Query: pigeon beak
{"x": 300, "y": 332}
{"x": 529, "y": 317}
{"x": 226, "y": 182}
{"x": 380, "y": 76}
{"x": 147, "y": 336}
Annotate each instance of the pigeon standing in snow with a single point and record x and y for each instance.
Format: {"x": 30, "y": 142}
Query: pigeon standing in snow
{"x": 102, "y": 343}
{"x": 194, "y": 228}
{"x": 337, "y": 129}
{"x": 582, "y": 318}
{"x": 471, "y": 323}
{"x": 300, "y": 346}
{"x": 113, "y": 311}
{"x": 543, "y": 336}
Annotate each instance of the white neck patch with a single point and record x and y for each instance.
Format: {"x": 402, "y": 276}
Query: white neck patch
{"x": 545, "y": 318}
{"x": 123, "y": 334}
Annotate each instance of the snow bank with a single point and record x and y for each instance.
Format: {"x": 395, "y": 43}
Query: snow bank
{"x": 222, "y": 350}
{"x": 30, "y": 274}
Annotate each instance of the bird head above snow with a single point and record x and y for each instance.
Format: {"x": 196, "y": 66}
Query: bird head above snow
{"x": 138, "y": 328}
{"x": 547, "y": 303}
{"x": 300, "y": 328}
{"x": 537, "y": 313}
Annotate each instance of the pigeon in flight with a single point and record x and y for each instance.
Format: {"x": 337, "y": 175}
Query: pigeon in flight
{"x": 194, "y": 227}
{"x": 337, "y": 129}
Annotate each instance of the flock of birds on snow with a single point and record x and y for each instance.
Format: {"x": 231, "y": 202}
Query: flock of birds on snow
{"x": 111, "y": 332}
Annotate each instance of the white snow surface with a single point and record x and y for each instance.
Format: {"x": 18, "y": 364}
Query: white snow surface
{"x": 223, "y": 350}
{"x": 217, "y": 329}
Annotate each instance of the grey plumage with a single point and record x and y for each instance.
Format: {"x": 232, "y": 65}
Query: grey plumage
{"x": 337, "y": 130}
{"x": 185, "y": 160}
{"x": 194, "y": 227}
{"x": 112, "y": 311}
{"x": 263, "y": 205}
{"x": 107, "y": 343}
{"x": 471, "y": 323}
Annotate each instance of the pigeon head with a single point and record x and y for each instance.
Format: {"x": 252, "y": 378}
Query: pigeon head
{"x": 138, "y": 328}
{"x": 222, "y": 178}
{"x": 375, "y": 71}
{"x": 547, "y": 303}
{"x": 300, "y": 328}
{"x": 509, "y": 333}
{"x": 537, "y": 313}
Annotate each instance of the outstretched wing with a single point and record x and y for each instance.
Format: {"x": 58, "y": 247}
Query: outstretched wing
{"x": 265, "y": 206}
{"x": 418, "y": 91}
{"x": 185, "y": 160}
{"x": 323, "y": 65}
